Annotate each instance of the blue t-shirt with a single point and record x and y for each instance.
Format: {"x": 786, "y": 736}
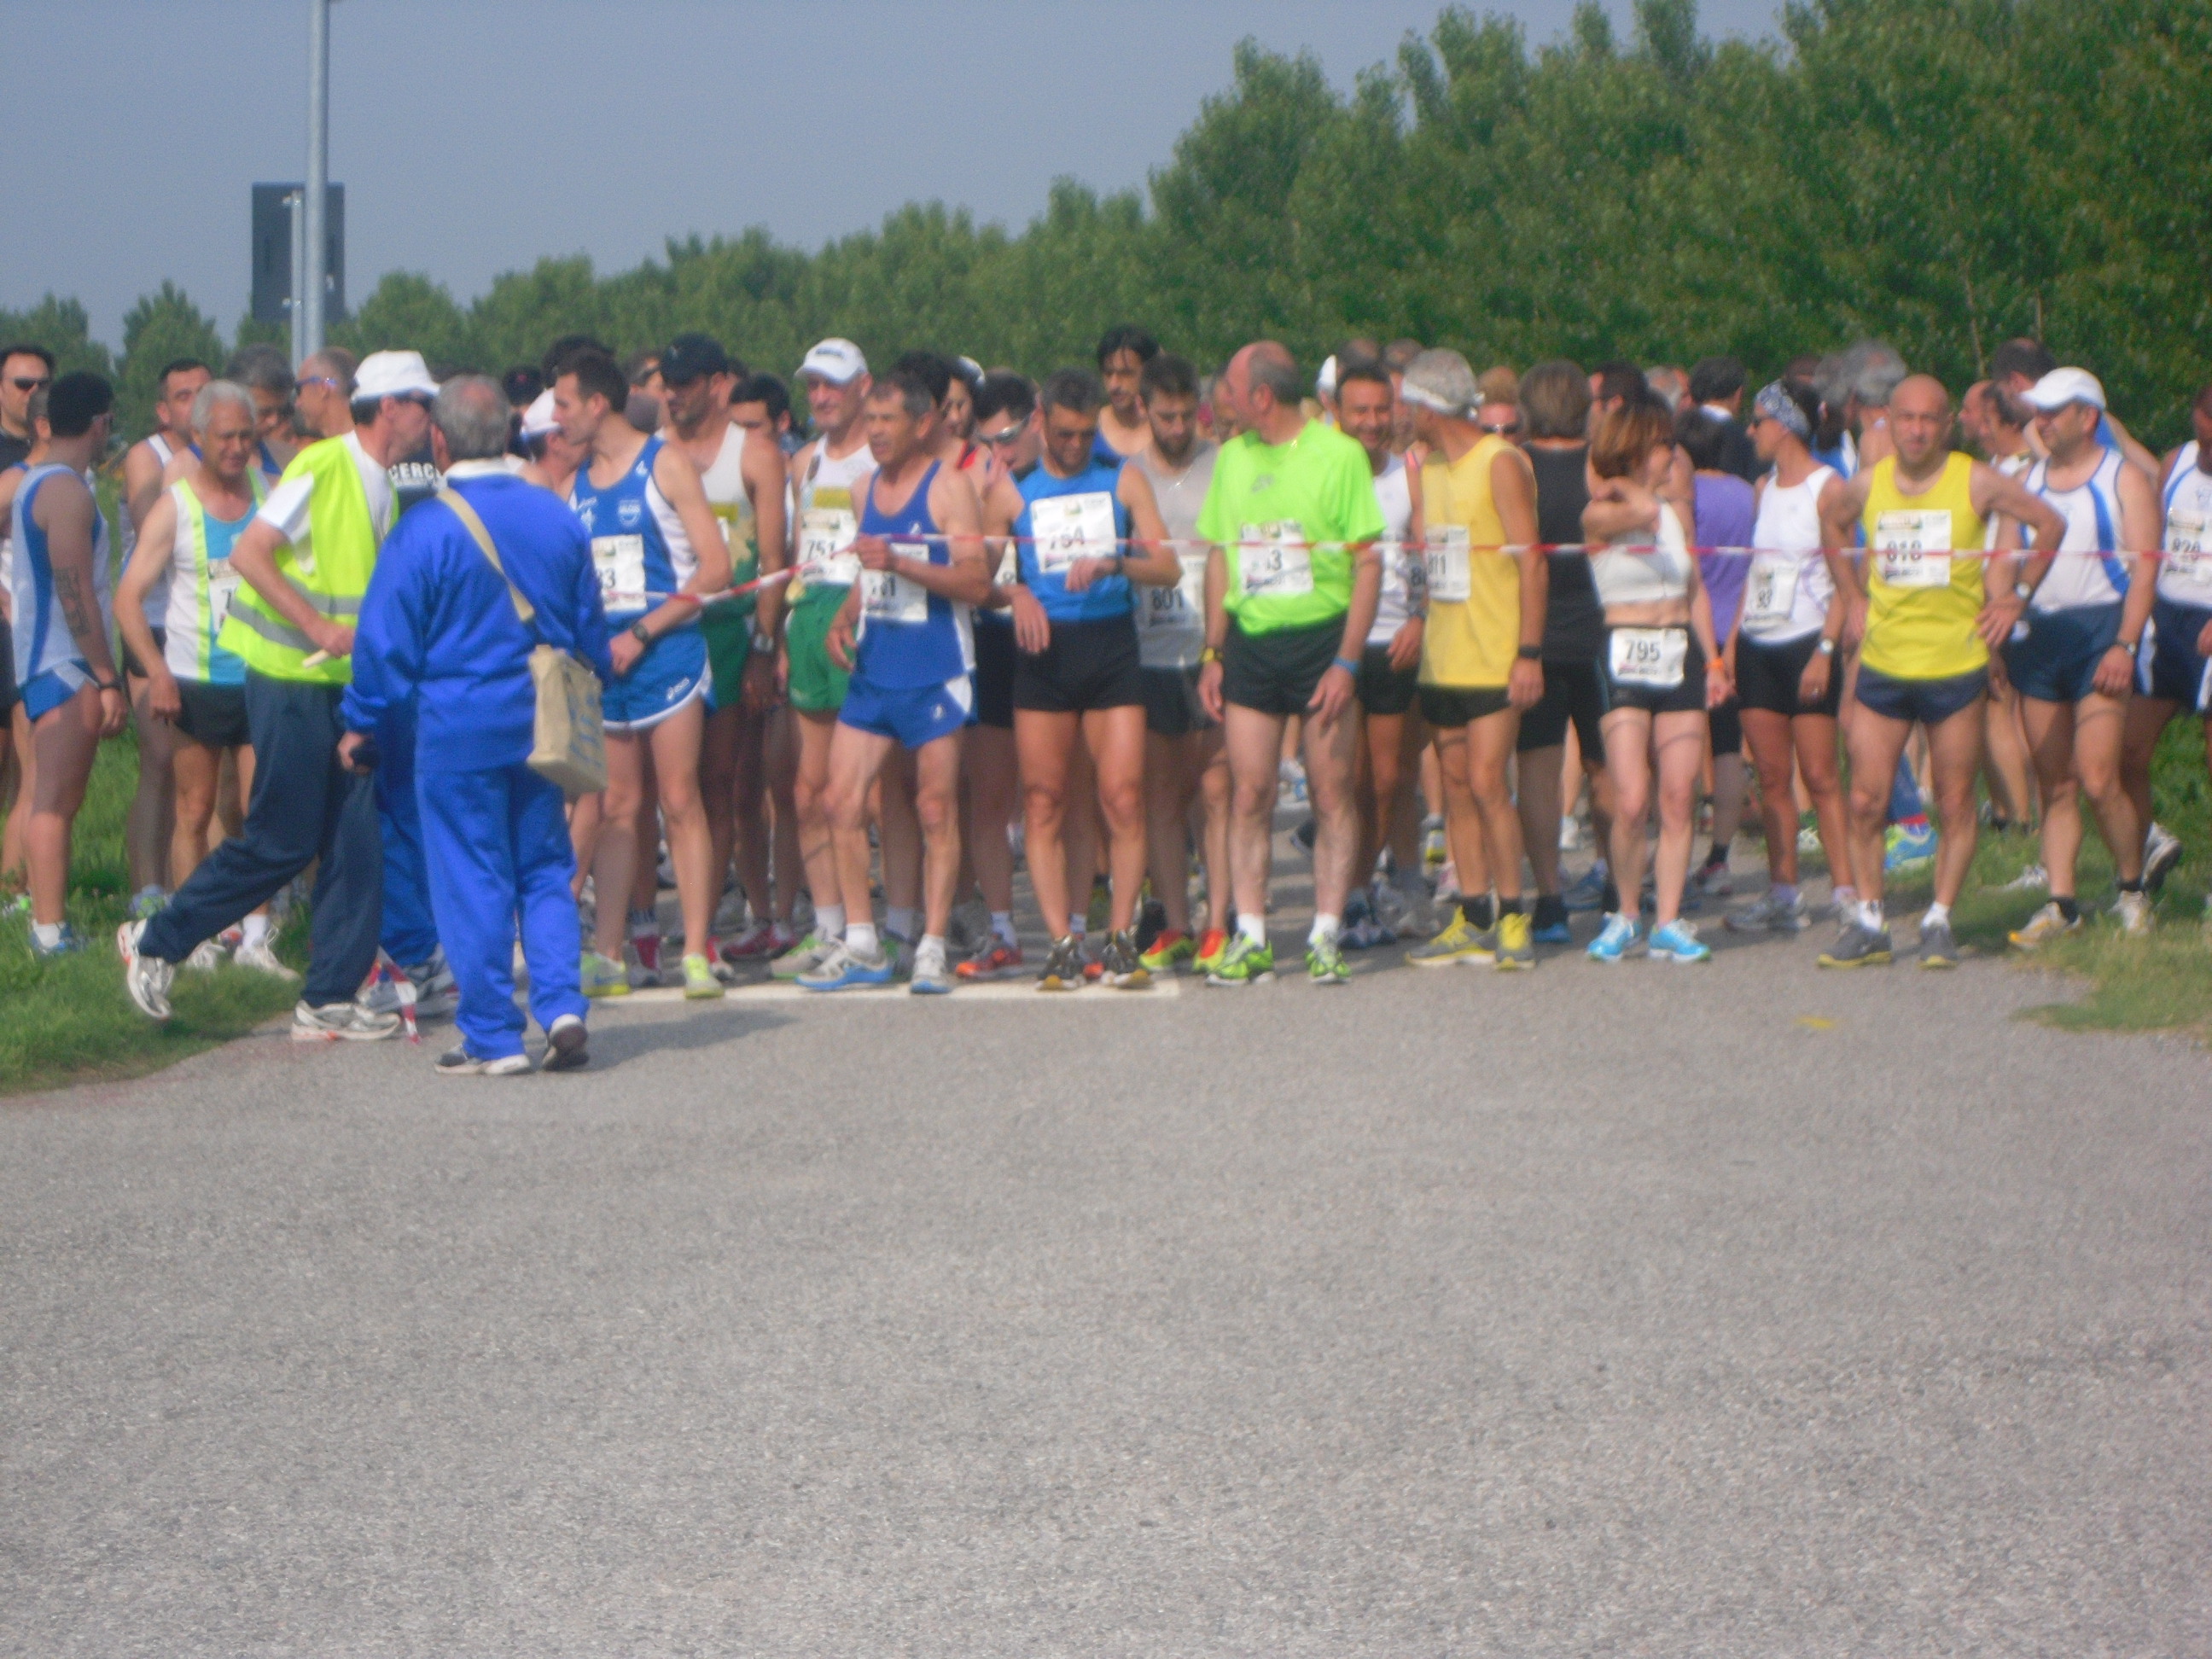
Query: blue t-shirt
{"x": 1067, "y": 518}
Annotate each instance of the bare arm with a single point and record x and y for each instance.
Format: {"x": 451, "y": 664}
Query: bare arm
{"x": 142, "y": 488}
{"x": 765, "y": 478}
{"x": 677, "y": 476}
{"x": 2131, "y": 451}
{"x": 1619, "y": 508}
{"x": 1149, "y": 559}
{"x": 2141, "y": 530}
{"x": 1513, "y": 491}
{"x": 157, "y": 540}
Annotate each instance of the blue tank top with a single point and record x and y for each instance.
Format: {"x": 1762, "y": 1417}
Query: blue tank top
{"x": 1067, "y": 519}
{"x": 910, "y": 636}
{"x": 639, "y": 546}
{"x": 42, "y": 639}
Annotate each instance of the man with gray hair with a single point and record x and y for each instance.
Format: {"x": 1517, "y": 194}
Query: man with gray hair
{"x": 442, "y": 632}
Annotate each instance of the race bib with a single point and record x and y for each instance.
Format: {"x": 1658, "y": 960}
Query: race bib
{"x": 1649, "y": 657}
{"x": 1914, "y": 548}
{"x": 1180, "y": 609}
{"x": 888, "y": 597}
{"x": 1274, "y": 561}
{"x": 1009, "y": 566}
{"x": 223, "y": 588}
{"x": 1445, "y": 561}
{"x": 1769, "y": 591}
{"x": 1071, "y": 527}
{"x": 825, "y": 533}
{"x": 2185, "y": 554}
{"x": 620, "y": 561}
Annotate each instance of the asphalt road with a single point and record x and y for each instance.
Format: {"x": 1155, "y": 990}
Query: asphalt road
{"x": 1734, "y": 1310}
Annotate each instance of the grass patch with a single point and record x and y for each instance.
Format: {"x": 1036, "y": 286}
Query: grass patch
{"x": 71, "y": 1020}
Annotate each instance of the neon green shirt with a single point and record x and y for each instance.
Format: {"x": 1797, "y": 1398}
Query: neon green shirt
{"x": 1287, "y": 517}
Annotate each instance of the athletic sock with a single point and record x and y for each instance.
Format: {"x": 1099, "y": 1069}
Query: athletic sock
{"x": 903, "y": 922}
{"x": 1939, "y": 915}
{"x": 1254, "y": 928}
{"x": 2134, "y": 886}
{"x": 1509, "y": 907}
{"x": 256, "y": 929}
{"x": 1324, "y": 929}
{"x": 830, "y": 921}
{"x": 1870, "y": 915}
{"x": 928, "y": 939}
{"x": 860, "y": 938}
{"x": 1478, "y": 912}
{"x": 2069, "y": 908}
{"x": 46, "y": 933}
{"x": 1845, "y": 897}
{"x": 1783, "y": 892}
{"x": 1002, "y": 924}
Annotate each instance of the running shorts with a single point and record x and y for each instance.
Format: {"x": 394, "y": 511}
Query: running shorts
{"x": 910, "y": 716}
{"x": 1171, "y": 706}
{"x": 672, "y": 672}
{"x": 213, "y": 714}
{"x": 1767, "y": 676}
{"x": 994, "y": 673}
{"x": 1447, "y": 707}
{"x": 1276, "y": 673}
{"x": 1686, "y": 695}
{"x": 2172, "y": 671}
{"x": 1571, "y": 693}
{"x": 2057, "y": 660}
{"x": 1920, "y": 702}
{"x": 1084, "y": 665}
{"x": 817, "y": 684}
{"x": 1384, "y": 689}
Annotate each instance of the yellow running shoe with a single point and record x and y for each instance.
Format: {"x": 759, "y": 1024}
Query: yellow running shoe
{"x": 1463, "y": 941}
{"x": 699, "y": 981}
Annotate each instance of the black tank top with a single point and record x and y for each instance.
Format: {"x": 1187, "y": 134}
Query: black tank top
{"x": 1574, "y": 622}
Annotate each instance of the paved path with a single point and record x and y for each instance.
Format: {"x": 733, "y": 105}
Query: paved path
{"x": 1744, "y": 1310}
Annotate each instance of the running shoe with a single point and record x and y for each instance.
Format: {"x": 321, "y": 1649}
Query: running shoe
{"x": 2133, "y": 910}
{"x": 68, "y": 943}
{"x": 971, "y": 924}
{"x": 261, "y": 957}
{"x": 700, "y": 984}
{"x": 341, "y": 1021}
{"x": 1063, "y": 966}
{"x": 1244, "y": 962}
{"x": 1515, "y": 952}
{"x": 1290, "y": 783}
{"x": 1460, "y": 941}
{"x": 436, "y": 992}
{"x": 1362, "y": 932}
{"x": 2033, "y": 879}
{"x": 1212, "y": 945}
{"x": 1859, "y": 946}
{"x": 1570, "y": 834}
{"x": 1768, "y": 914}
{"x": 1809, "y": 833}
{"x": 993, "y": 959}
{"x": 1324, "y": 963}
{"x": 1119, "y": 964}
{"x": 565, "y": 1045}
{"x": 602, "y": 976}
{"x": 146, "y": 978}
{"x": 1549, "y": 924}
{"x": 1393, "y": 908}
{"x": 1678, "y": 941}
{"x": 931, "y": 977}
{"x": 1938, "y": 948}
{"x": 1587, "y": 892}
{"x": 145, "y": 901}
{"x": 459, "y": 1062}
{"x": 721, "y": 970}
{"x": 846, "y": 970}
{"x": 730, "y": 913}
{"x": 2046, "y": 925}
{"x": 1447, "y": 887}
{"x": 1432, "y": 843}
{"x": 761, "y": 940}
{"x": 1170, "y": 951}
{"x": 1619, "y": 936}
{"x": 206, "y": 957}
{"x": 2162, "y": 852}
{"x": 645, "y": 941}
{"x": 1909, "y": 845}
{"x": 802, "y": 957}
{"x": 1714, "y": 881}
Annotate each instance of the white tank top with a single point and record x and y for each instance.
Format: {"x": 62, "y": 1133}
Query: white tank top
{"x": 2184, "y": 574}
{"x": 1787, "y": 590}
{"x": 830, "y": 485}
{"x": 1394, "y": 494}
{"x": 724, "y": 484}
{"x": 2078, "y": 577}
{"x": 1646, "y": 578}
{"x": 1171, "y": 620}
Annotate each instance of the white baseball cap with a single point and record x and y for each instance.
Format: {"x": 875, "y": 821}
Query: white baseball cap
{"x": 836, "y": 360}
{"x": 1325, "y": 382}
{"x": 393, "y": 375}
{"x": 537, "y": 419}
{"x": 2063, "y": 386}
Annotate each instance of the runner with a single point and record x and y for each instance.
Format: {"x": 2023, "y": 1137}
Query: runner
{"x": 743, "y": 476}
{"x": 1390, "y": 735}
{"x": 2075, "y": 666}
{"x": 1931, "y": 623}
{"x": 1123, "y": 351}
{"x": 1782, "y": 656}
{"x": 1087, "y": 530}
{"x": 196, "y": 688}
{"x": 655, "y": 540}
{"x": 322, "y": 395}
{"x": 70, "y": 694}
{"x": 1481, "y": 650}
{"x": 902, "y": 632}
{"x": 824, "y": 476}
{"x": 25, "y": 370}
{"x": 1997, "y": 422}
{"x": 1291, "y": 590}
{"x": 1660, "y": 670}
{"x": 1724, "y": 508}
{"x": 1184, "y": 762}
{"x": 2174, "y": 677}
{"x": 1555, "y": 404}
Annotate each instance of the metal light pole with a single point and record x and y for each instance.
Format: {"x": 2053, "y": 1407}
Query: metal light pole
{"x": 315, "y": 279}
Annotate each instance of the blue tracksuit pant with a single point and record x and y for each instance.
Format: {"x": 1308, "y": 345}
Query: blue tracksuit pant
{"x": 411, "y": 932}
{"x": 496, "y": 845}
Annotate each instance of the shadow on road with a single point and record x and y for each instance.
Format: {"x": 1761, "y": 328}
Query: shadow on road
{"x": 683, "y": 1026}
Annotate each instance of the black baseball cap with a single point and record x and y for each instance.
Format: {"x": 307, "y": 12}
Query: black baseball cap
{"x": 689, "y": 357}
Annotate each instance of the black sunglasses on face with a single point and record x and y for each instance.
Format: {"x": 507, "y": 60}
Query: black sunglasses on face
{"x": 22, "y": 384}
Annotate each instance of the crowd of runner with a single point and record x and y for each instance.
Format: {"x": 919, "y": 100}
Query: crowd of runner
{"x": 1107, "y": 626}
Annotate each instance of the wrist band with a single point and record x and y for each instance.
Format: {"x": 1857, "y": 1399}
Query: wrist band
{"x": 1207, "y": 654}
{"x": 1348, "y": 666}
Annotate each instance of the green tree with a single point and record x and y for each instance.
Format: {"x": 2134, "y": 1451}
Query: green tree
{"x": 62, "y": 328}
{"x": 408, "y": 311}
{"x": 161, "y": 329}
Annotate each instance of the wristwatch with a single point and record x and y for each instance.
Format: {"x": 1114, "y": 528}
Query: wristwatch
{"x": 1208, "y": 654}
{"x": 763, "y": 643}
{"x": 639, "y": 632}
{"x": 2023, "y": 592}
{"x": 1828, "y": 647}
{"x": 1530, "y": 654}
{"x": 2128, "y": 646}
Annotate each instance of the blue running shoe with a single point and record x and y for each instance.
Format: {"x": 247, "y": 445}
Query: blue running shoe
{"x": 1616, "y": 939}
{"x": 1909, "y": 845}
{"x": 1587, "y": 892}
{"x": 847, "y": 970}
{"x": 1678, "y": 941}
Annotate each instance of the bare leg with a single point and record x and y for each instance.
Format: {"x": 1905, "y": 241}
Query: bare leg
{"x": 1540, "y": 812}
{"x": 810, "y": 807}
{"x": 1214, "y": 797}
{"x": 1331, "y": 749}
{"x": 1628, "y": 761}
{"x": 675, "y": 743}
{"x": 718, "y": 788}
{"x": 66, "y": 739}
{"x": 198, "y": 769}
{"x": 2098, "y": 724}
{"x": 899, "y": 829}
{"x": 2009, "y": 775}
{"x": 150, "y": 832}
{"x": 936, "y": 768}
{"x": 1876, "y": 742}
{"x": 994, "y": 790}
{"x": 1116, "y": 738}
{"x": 1254, "y": 742}
{"x": 2051, "y": 747}
{"x": 1954, "y": 755}
{"x": 1170, "y": 784}
{"x": 1681, "y": 741}
{"x": 782, "y": 779}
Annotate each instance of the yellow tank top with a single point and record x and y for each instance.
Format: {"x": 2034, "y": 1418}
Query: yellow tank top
{"x": 1923, "y": 576}
{"x": 1475, "y": 591}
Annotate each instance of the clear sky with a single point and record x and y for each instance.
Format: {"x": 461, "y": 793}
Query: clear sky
{"x": 475, "y": 136}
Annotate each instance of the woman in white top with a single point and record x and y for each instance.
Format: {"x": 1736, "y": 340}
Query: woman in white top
{"x": 1660, "y": 670}
{"x": 1782, "y": 654}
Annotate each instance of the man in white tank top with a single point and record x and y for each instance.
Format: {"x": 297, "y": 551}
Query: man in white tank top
{"x": 2088, "y": 606}
{"x": 152, "y": 824}
{"x": 1997, "y": 421}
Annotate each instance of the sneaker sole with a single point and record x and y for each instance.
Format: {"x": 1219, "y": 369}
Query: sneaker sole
{"x": 316, "y": 1034}
{"x": 923, "y": 989}
{"x": 1872, "y": 959}
{"x": 1939, "y": 962}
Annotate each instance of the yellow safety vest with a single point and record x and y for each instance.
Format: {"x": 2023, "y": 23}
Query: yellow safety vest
{"x": 330, "y": 572}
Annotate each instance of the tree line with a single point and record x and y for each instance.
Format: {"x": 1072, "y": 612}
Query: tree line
{"x": 1944, "y": 174}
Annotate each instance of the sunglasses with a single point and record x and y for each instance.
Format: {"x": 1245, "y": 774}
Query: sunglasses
{"x": 312, "y": 381}
{"x": 34, "y": 384}
{"x": 1000, "y": 438}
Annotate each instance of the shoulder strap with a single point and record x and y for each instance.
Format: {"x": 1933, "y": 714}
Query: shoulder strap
{"x": 460, "y": 509}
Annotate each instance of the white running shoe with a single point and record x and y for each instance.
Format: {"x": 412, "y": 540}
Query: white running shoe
{"x": 206, "y": 957}
{"x": 341, "y": 1021}
{"x": 146, "y": 978}
{"x": 2033, "y": 879}
{"x": 2133, "y": 910}
{"x": 261, "y": 957}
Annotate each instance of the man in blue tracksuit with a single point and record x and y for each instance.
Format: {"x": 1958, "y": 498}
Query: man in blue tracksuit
{"x": 439, "y": 633}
